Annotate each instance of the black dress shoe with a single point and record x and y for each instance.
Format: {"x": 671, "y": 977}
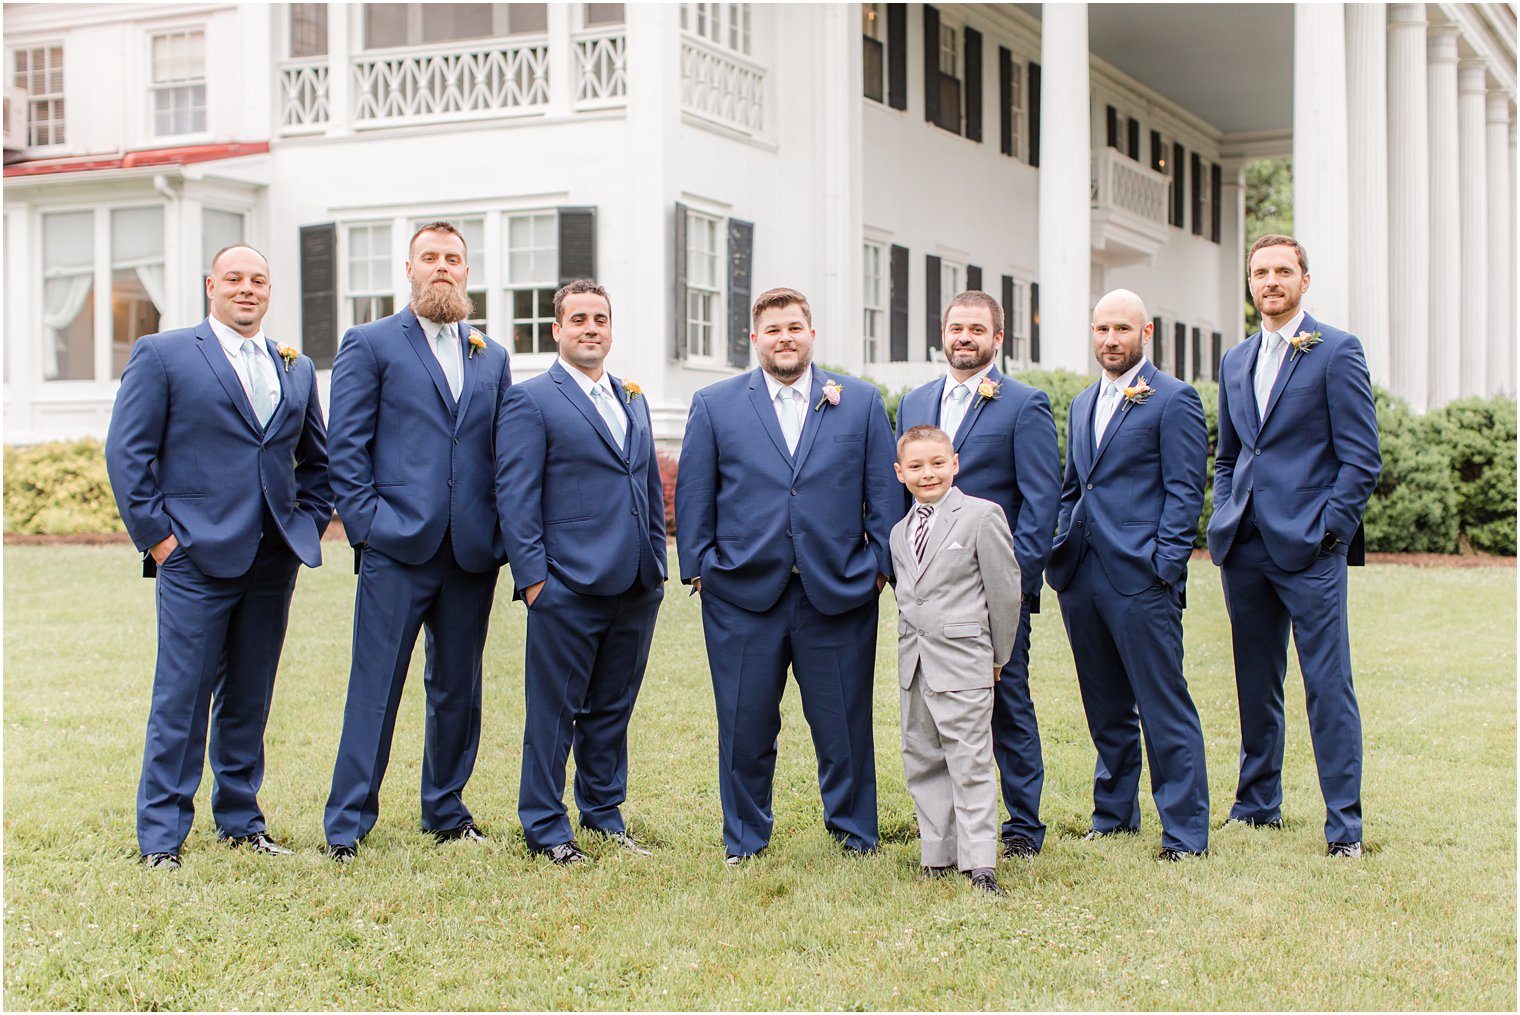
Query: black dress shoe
{"x": 1349, "y": 850}
{"x": 1275, "y": 824}
{"x": 259, "y": 842}
{"x": 467, "y": 831}
{"x": 985, "y": 879}
{"x": 935, "y": 873}
{"x": 161, "y": 861}
{"x": 564, "y": 854}
{"x": 1019, "y": 846}
{"x": 1170, "y": 855}
{"x": 1093, "y": 834}
{"x": 340, "y": 854}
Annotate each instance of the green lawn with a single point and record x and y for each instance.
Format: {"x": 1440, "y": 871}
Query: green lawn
{"x": 1427, "y": 920}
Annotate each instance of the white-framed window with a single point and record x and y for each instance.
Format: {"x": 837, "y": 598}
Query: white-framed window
{"x": 873, "y": 28}
{"x": 1016, "y": 321}
{"x": 39, "y": 70}
{"x": 1018, "y": 114}
{"x": 308, "y": 30}
{"x": 473, "y": 230}
{"x": 388, "y": 26}
{"x": 601, "y": 15}
{"x": 704, "y": 285}
{"x": 874, "y": 300}
{"x": 370, "y": 260}
{"x": 949, "y": 49}
{"x": 137, "y": 278}
{"x": 723, "y": 24}
{"x": 532, "y": 277}
{"x": 952, "y": 279}
{"x": 178, "y": 82}
{"x": 68, "y": 296}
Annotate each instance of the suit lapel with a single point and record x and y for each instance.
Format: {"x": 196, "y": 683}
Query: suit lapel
{"x": 571, "y": 390}
{"x": 812, "y": 420}
{"x": 936, "y": 391}
{"x": 635, "y": 436}
{"x": 1242, "y": 383}
{"x": 760, "y": 399}
{"x": 1083, "y": 407}
{"x": 467, "y": 368}
{"x": 282, "y": 373}
{"x": 1121, "y": 414}
{"x": 216, "y": 358}
{"x": 412, "y": 328}
{"x": 1289, "y": 364}
{"x": 974, "y": 412}
{"x": 944, "y": 520}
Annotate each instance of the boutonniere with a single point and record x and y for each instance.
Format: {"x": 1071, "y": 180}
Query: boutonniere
{"x": 1138, "y": 393}
{"x": 631, "y": 390}
{"x": 289, "y": 355}
{"x": 831, "y": 393}
{"x": 1303, "y": 342}
{"x": 477, "y": 341}
{"x": 987, "y": 391}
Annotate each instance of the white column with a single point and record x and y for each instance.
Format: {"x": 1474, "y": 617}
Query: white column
{"x": 340, "y": 48}
{"x": 1367, "y": 122}
{"x": 561, "y": 61}
{"x": 840, "y": 139}
{"x": 1444, "y": 330}
{"x": 1321, "y": 217}
{"x": 1408, "y": 201}
{"x": 1501, "y": 271}
{"x": 1232, "y": 240}
{"x": 1472, "y": 157}
{"x": 1065, "y": 226}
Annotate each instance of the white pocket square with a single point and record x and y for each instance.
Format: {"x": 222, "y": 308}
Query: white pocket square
{"x": 956, "y": 545}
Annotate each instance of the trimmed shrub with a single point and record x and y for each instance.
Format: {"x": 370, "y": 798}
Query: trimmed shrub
{"x": 1478, "y": 438}
{"x": 668, "y": 464}
{"x": 1414, "y": 506}
{"x": 1208, "y": 391}
{"x": 59, "y": 488}
{"x": 1062, "y": 386}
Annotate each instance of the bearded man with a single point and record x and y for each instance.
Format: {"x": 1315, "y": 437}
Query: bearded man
{"x": 412, "y": 440}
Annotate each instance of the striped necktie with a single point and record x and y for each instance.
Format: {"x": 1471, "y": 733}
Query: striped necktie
{"x": 921, "y": 531}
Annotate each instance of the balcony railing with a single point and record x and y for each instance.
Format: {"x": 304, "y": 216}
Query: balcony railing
{"x": 601, "y": 71}
{"x": 446, "y": 82}
{"x": 721, "y": 86}
{"x": 303, "y": 95}
{"x": 1129, "y": 205}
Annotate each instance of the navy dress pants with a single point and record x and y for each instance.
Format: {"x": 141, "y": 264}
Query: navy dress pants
{"x": 1263, "y": 600}
{"x": 583, "y": 665}
{"x": 219, "y": 642}
{"x": 395, "y": 601}
{"x": 1128, "y": 651}
{"x": 1016, "y": 742}
{"x": 834, "y": 660}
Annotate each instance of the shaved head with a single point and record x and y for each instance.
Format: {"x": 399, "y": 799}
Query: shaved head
{"x": 1121, "y": 301}
{"x": 1120, "y": 329}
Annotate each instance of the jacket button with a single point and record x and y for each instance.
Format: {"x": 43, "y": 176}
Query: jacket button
{"x": 788, "y": 533}
{"x": 1258, "y": 451}
{"x": 1089, "y": 486}
{"x": 635, "y": 512}
{"x": 451, "y": 482}
{"x": 920, "y": 634}
{"x": 1079, "y": 525}
{"x": 456, "y": 440}
{"x": 794, "y": 493}
{"x": 920, "y": 602}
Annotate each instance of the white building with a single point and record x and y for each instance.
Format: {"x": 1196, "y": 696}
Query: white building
{"x": 879, "y": 157}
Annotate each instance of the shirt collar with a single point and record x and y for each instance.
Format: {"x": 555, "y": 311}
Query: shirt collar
{"x": 231, "y": 341}
{"x": 803, "y": 384}
{"x": 580, "y": 378}
{"x": 1127, "y": 379}
{"x": 431, "y": 328}
{"x": 1288, "y": 330}
{"x": 971, "y": 382}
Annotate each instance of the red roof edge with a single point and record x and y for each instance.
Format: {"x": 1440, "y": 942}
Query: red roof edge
{"x": 137, "y": 159}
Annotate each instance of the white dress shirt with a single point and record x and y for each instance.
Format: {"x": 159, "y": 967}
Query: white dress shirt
{"x": 1125, "y": 380}
{"x": 803, "y": 386}
{"x": 947, "y": 404}
{"x": 604, "y": 382}
{"x": 232, "y": 344}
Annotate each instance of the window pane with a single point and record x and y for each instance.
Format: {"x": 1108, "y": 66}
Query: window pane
{"x": 218, "y": 229}
{"x": 68, "y": 304}
{"x": 308, "y": 30}
{"x": 603, "y": 14}
{"x": 137, "y": 234}
{"x": 384, "y": 25}
{"x": 527, "y": 18}
{"x": 446, "y": 22}
{"x": 134, "y": 310}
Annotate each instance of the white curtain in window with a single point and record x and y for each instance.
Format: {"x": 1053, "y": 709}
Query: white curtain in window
{"x": 152, "y": 278}
{"x": 63, "y": 297}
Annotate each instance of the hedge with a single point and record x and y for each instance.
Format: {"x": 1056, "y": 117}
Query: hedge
{"x": 59, "y": 488}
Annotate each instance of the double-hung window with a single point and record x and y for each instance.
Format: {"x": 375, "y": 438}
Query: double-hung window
{"x": 39, "y": 70}
{"x": 179, "y": 82}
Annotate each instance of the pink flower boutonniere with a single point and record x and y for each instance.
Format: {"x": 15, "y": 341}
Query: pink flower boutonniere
{"x": 631, "y": 390}
{"x": 477, "y": 342}
{"x": 1303, "y": 342}
{"x": 289, "y": 355}
{"x": 987, "y": 391}
{"x": 831, "y": 393}
{"x": 1138, "y": 393}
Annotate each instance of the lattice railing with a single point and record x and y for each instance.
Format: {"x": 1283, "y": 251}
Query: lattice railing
{"x": 412, "y": 84}
{"x": 601, "y": 69}
{"x": 722, "y": 86}
{"x": 1124, "y": 184}
{"x": 303, "y": 95}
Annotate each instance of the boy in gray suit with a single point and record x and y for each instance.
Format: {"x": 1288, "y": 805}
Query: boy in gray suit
{"x": 958, "y": 591}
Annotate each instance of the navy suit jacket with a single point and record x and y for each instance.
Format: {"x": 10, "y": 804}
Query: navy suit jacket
{"x": 747, "y": 511}
{"x": 187, "y": 457}
{"x": 1009, "y": 456}
{"x": 1134, "y": 500}
{"x": 408, "y": 464}
{"x": 571, "y": 502}
{"x": 1311, "y": 461}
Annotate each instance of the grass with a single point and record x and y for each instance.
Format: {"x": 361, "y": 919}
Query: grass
{"x": 1427, "y": 920}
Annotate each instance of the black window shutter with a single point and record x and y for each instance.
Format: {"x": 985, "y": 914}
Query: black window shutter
{"x": 1158, "y": 152}
{"x": 1032, "y": 97}
{"x": 973, "y": 277}
{"x": 319, "y": 293}
{"x": 1197, "y": 163}
{"x": 898, "y": 326}
{"x": 741, "y": 246}
{"x": 973, "y": 84}
{"x": 932, "y": 299}
{"x": 577, "y": 244}
{"x": 897, "y": 56}
{"x": 1197, "y": 353}
{"x": 1132, "y": 142}
{"x": 931, "y": 63}
{"x": 1179, "y": 185}
{"x": 1034, "y": 322}
{"x": 1113, "y": 127}
{"x": 1216, "y": 200}
{"x": 1179, "y": 350}
{"x": 1158, "y": 344}
{"x": 1217, "y": 345}
{"x": 1005, "y": 100}
{"x": 1008, "y": 314}
{"x": 678, "y": 347}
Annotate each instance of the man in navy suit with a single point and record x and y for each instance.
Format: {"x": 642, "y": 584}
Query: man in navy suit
{"x": 578, "y": 490}
{"x": 415, "y": 398}
{"x": 218, "y": 461}
{"x": 783, "y": 508}
{"x": 1297, "y": 459}
{"x": 1006, "y": 438}
{"x": 1136, "y": 448}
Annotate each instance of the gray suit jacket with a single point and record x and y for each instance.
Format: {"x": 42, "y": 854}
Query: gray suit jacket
{"x": 957, "y": 612}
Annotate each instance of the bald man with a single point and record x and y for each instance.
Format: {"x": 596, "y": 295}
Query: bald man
{"x": 1135, "y": 456}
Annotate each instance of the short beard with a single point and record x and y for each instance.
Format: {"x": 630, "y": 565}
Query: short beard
{"x": 977, "y": 359}
{"x": 1127, "y": 365}
{"x": 442, "y": 304}
{"x": 786, "y": 376}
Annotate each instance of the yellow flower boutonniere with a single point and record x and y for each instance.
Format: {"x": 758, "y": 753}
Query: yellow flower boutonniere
{"x": 831, "y": 393}
{"x": 987, "y": 391}
{"x": 477, "y": 342}
{"x": 1303, "y": 342}
{"x": 1138, "y": 393}
{"x": 631, "y": 390}
{"x": 289, "y": 355}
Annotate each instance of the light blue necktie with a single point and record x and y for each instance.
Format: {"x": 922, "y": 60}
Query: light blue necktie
{"x": 604, "y": 405}
{"x": 1266, "y": 371}
{"x": 448, "y": 358}
{"x": 956, "y": 410}
{"x": 1106, "y": 402}
{"x": 260, "y": 395}
{"x": 791, "y": 428}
